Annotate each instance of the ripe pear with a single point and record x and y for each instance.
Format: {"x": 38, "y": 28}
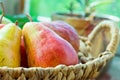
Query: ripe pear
{"x": 10, "y": 36}
{"x": 45, "y": 48}
{"x": 66, "y": 31}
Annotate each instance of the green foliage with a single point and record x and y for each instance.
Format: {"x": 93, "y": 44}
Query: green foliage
{"x": 113, "y": 9}
{"x": 48, "y": 7}
{"x": 89, "y": 6}
{"x": 22, "y": 19}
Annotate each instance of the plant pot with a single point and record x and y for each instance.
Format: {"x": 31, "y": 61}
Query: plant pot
{"x": 78, "y": 23}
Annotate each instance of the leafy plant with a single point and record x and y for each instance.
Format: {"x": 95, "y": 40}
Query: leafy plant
{"x": 88, "y": 6}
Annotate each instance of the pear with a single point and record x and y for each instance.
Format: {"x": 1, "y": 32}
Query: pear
{"x": 10, "y": 36}
{"x": 66, "y": 31}
{"x": 45, "y": 48}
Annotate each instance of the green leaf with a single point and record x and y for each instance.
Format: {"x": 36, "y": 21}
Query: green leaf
{"x": 99, "y": 3}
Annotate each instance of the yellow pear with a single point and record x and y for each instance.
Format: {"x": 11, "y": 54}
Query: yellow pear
{"x": 10, "y": 36}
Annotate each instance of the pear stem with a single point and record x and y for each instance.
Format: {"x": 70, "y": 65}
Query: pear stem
{"x": 29, "y": 17}
{"x": 16, "y": 22}
{"x": 1, "y": 3}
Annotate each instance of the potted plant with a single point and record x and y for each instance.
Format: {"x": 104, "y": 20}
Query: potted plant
{"x": 87, "y": 18}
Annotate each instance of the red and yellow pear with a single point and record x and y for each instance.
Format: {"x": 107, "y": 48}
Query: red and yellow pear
{"x": 45, "y": 48}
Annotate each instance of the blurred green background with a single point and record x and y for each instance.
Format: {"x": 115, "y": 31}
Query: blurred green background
{"x": 47, "y": 7}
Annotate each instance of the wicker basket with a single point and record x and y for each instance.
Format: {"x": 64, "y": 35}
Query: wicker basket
{"x": 89, "y": 68}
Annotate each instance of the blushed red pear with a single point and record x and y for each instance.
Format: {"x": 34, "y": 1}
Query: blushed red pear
{"x": 45, "y": 48}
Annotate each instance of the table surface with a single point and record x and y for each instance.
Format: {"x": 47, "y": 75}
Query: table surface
{"x": 113, "y": 72}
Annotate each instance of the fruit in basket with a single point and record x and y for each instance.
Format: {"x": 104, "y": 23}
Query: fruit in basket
{"x": 10, "y": 45}
{"x": 45, "y": 48}
{"x": 65, "y": 31}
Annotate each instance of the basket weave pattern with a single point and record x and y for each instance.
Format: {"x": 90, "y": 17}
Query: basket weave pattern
{"x": 89, "y": 67}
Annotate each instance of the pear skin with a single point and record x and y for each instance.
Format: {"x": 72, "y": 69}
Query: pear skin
{"x": 45, "y": 48}
{"x": 66, "y": 31}
{"x": 23, "y": 53}
{"x": 10, "y": 36}
{"x": 2, "y": 25}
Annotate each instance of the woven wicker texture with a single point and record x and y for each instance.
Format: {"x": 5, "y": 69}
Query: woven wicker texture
{"x": 89, "y": 67}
